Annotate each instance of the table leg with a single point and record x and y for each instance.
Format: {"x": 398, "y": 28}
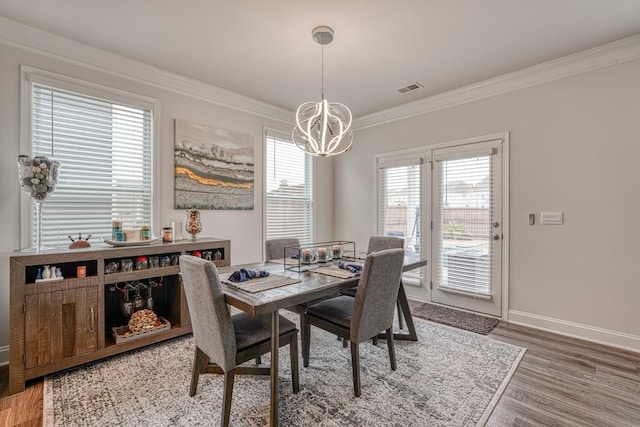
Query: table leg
{"x": 275, "y": 347}
{"x": 406, "y": 313}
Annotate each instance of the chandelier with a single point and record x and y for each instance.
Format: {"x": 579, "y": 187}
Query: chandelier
{"x": 323, "y": 128}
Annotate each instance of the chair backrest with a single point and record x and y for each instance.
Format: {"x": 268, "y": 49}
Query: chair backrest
{"x": 380, "y": 243}
{"x": 212, "y": 328}
{"x": 274, "y": 248}
{"x": 376, "y": 294}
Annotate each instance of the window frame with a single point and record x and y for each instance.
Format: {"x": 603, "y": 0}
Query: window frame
{"x": 30, "y": 75}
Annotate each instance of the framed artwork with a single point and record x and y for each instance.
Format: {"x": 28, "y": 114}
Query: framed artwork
{"x": 214, "y": 167}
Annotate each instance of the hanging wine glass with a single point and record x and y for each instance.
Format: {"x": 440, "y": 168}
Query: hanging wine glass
{"x": 193, "y": 225}
{"x": 38, "y": 178}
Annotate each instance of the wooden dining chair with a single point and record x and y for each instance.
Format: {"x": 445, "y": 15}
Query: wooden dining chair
{"x": 223, "y": 341}
{"x": 365, "y": 316}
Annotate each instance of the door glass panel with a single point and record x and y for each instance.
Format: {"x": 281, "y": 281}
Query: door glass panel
{"x": 463, "y": 229}
{"x": 399, "y": 202}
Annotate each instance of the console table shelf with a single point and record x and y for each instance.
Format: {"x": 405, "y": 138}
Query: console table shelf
{"x": 56, "y": 325}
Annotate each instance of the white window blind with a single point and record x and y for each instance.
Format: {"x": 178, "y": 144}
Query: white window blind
{"x": 399, "y": 205}
{"x": 463, "y": 250}
{"x": 289, "y": 190}
{"x": 105, "y": 153}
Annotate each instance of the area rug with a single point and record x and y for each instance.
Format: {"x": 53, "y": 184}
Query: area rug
{"x": 449, "y": 378}
{"x": 456, "y": 318}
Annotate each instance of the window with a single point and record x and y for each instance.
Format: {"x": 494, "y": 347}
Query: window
{"x": 289, "y": 190}
{"x": 104, "y": 148}
{"x": 400, "y": 204}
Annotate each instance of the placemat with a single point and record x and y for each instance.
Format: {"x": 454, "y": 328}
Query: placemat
{"x": 334, "y": 271}
{"x": 259, "y": 284}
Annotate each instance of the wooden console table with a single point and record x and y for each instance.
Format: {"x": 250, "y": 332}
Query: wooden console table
{"x": 56, "y": 325}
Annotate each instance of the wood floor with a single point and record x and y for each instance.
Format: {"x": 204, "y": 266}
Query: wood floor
{"x": 561, "y": 381}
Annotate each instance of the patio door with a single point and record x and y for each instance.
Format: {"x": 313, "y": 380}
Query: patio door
{"x": 467, "y": 228}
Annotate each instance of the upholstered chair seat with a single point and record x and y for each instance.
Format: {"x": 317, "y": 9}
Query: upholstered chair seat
{"x": 250, "y": 330}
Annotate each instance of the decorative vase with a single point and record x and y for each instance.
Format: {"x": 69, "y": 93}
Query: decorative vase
{"x": 38, "y": 178}
{"x": 46, "y": 273}
{"x": 193, "y": 226}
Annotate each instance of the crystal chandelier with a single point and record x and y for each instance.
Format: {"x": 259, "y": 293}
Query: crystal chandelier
{"x": 322, "y": 128}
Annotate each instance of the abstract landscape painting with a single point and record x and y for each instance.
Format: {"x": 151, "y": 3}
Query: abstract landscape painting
{"x": 214, "y": 167}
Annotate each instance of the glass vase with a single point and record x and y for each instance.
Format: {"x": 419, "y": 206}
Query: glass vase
{"x": 193, "y": 225}
{"x": 38, "y": 178}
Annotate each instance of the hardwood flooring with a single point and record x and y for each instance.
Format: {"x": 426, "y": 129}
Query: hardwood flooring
{"x": 561, "y": 381}
{"x": 564, "y": 381}
{"x": 20, "y": 409}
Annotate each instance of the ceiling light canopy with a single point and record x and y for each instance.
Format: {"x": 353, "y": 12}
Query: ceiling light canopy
{"x": 323, "y": 128}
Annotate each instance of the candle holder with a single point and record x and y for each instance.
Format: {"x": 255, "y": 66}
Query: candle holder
{"x": 306, "y": 256}
{"x": 38, "y": 178}
{"x": 193, "y": 226}
{"x": 322, "y": 255}
{"x": 336, "y": 251}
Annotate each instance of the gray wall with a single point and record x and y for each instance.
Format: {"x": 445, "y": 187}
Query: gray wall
{"x": 575, "y": 147}
{"x": 243, "y": 228}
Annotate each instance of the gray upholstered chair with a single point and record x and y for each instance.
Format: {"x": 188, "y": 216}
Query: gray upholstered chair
{"x": 223, "y": 341}
{"x": 365, "y": 316}
{"x": 275, "y": 248}
{"x": 380, "y": 243}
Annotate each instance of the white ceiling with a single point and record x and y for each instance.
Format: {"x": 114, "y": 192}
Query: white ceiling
{"x": 263, "y": 48}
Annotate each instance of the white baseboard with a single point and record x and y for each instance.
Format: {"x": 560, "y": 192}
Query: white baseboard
{"x": 4, "y": 355}
{"x": 576, "y": 330}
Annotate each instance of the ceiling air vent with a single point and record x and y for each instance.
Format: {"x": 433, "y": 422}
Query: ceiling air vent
{"x": 409, "y": 88}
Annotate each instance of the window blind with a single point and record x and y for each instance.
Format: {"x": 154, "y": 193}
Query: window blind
{"x": 289, "y": 190}
{"x": 105, "y": 153}
{"x": 464, "y": 202}
{"x": 399, "y": 205}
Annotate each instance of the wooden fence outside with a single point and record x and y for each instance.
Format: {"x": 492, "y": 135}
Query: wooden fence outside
{"x": 470, "y": 222}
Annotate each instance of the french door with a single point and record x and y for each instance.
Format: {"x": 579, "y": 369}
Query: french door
{"x": 467, "y": 228}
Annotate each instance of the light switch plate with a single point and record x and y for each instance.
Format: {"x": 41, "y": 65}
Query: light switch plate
{"x": 552, "y": 218}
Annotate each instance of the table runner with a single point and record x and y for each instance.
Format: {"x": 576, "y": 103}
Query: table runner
{"x": 259, "y": 284}
{"x": 334, "y": 271}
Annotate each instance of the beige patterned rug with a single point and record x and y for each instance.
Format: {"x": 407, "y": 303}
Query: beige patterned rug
{"x": 449, "y": 378}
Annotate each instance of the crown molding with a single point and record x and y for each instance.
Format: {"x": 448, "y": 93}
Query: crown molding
{"x": 31, "y": 39}
{"x": 623, "y": 50}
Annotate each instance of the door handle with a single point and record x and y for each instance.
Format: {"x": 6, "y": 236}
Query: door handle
{"x": 495, "y": 236}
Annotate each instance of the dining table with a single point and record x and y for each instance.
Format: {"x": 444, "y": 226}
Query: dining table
{"x": 309, "y": 286}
